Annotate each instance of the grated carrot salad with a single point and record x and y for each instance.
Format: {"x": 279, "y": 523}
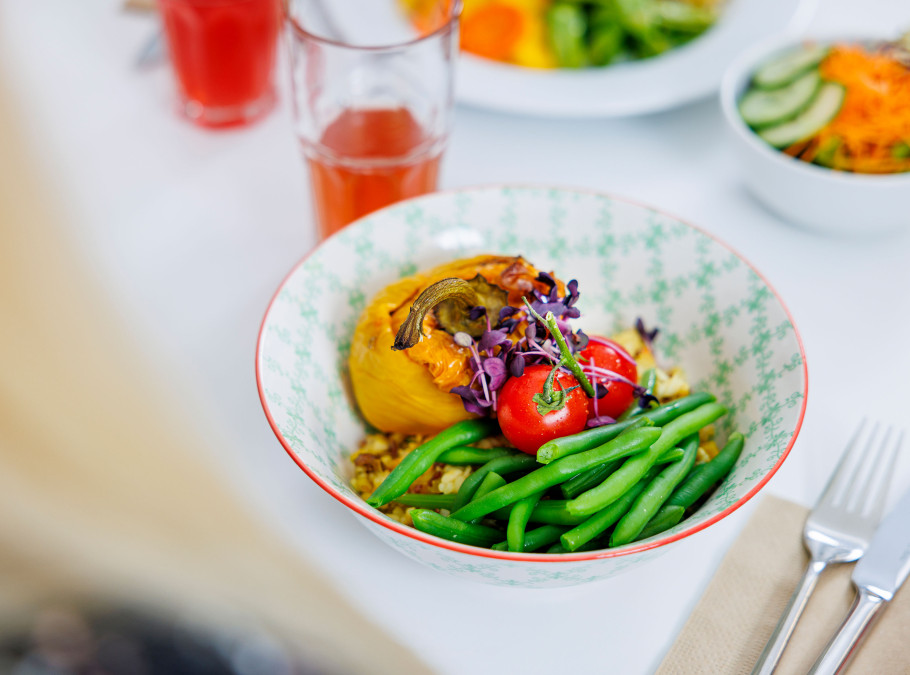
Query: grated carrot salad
{"x": 871, "y": 132}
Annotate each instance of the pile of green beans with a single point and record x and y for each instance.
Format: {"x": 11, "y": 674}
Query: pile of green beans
{"x": 584, "y": 33}
{"x": 622, "y": 483}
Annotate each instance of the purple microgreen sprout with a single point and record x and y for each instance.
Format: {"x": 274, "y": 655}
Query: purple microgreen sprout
{"x": 462, "y": 339}
{"x": 647, "y": 336}
{"x": 600, "y": 421}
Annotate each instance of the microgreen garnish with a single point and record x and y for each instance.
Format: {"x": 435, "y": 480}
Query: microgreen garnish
{"x": 567, "y": 359}
{"x": 504, "y": 340}
{"x": 647, "y": 336}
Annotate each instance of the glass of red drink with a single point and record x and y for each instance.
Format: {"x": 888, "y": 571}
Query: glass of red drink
{"x": 373, "y": 92}
{"x": 223, "y": 55}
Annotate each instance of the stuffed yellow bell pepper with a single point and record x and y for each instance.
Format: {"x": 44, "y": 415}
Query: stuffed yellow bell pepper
{"x": 405, "y": 387}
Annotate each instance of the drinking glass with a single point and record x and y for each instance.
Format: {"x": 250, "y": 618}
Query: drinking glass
{"x": 223, "y": 56}
{"x": 373, "y": 88}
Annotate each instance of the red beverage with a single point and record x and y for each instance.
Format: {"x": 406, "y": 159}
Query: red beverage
{"x": 223, "y": 53}
{"x": 367, "y": 159}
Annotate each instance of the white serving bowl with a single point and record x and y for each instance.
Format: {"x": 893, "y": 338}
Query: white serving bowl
{"x": 718, "y": 319}
{"x": 803, "y": 193}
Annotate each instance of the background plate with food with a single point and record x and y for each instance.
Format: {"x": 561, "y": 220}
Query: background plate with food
{"x": 645, "y": 68}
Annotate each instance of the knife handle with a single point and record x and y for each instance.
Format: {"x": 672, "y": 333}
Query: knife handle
{"x": 772, "y": 652}
{"x": 842, "y": 646}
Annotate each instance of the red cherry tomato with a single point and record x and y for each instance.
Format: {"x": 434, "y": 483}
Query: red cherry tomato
{"x": 604, "y": 353}
{"x": 521, "y": 421}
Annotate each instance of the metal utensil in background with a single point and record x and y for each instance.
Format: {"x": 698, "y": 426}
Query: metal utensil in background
{"x": 877, "y": 576}
{"x": 152, "y": 52}
{"x": 839, "y": 528}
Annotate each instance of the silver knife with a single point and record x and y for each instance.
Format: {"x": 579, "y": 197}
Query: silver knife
{"x": 877, "y": 576}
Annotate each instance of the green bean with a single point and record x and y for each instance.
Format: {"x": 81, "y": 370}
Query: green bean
{"x": 588, "y": 479}
{"x": 518, "y": 521}
{"x": 420, "y": 459}
{"x": 638, "y": 19}
{"x": 685, "y": 18}
{"x": 666, "y": 413}
{"x": 548, "y": 511}
{"x": 489, "y": 483}
{"x": 605, "y": 40}
{"x": 648, "y": 503}
{"x": 566, "y": 27}
{"x": 585, "y": 440}
{"x": 634, "y": 468}
{"x": 501, "y": 465}
{"x": 464, "y": 454}
{"x": 664, "y": 519}
{"x": 556, "y": 472}
{"x": 594, "y": 477}
{"x": 426, "y": 501}
{"x": 704, "y": 476}
{"x": 600, "y": 521}
{"x": 454, "y": 530}
{"x": 670, "y": 455}
{"x": 535, "y": 539}
{"x": 591, "y": 438}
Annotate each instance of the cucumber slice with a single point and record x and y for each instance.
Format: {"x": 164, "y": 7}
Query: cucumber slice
{"x": 784, "y": 69}
{"x": 765, "y": 107}
{"x": 808, "y": 123}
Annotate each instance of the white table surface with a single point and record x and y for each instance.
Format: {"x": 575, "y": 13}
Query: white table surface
{"x": 191, "y": 231}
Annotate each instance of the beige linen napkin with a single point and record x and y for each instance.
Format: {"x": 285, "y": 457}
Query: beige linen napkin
{"x": 734, "y": 619}
{"x": 104, "y": 490}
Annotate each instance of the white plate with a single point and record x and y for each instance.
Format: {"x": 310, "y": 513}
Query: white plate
{"x": 684, "y": 74}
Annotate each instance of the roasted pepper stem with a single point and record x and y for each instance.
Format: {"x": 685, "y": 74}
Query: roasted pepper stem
{"x": 457, "y": 290}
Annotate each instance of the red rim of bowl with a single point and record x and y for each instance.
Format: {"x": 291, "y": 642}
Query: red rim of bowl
{"x": 363, "y": 509}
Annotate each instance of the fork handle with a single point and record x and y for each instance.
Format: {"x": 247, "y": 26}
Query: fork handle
{"x": 772, "y": 652}
{"x": 842, "y": 646}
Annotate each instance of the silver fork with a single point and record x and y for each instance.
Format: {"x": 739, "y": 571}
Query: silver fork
{"x": 840, "y": 527}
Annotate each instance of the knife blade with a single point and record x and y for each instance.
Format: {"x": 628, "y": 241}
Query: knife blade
{"x": 887, "y": 561}
{"x": 877, "y": 576}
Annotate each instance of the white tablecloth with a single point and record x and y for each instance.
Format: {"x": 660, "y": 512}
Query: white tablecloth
{"x": 192, "y": 231}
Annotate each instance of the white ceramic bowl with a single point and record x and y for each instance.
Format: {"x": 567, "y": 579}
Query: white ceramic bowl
{"x": 718, "y": 318}
{"x": 803, "y": 193}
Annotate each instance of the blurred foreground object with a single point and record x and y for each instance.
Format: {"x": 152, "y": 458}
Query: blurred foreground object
{"x": 223, "y": 55}
{"x": 61, "y": 640}
{"x": 106, "y": 492}
{"x": 373, "y": 91}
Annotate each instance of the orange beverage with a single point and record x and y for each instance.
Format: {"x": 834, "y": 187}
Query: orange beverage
{"x": 367, "y": 159}
{"x": 373, "y": 99}
{"x": 223, "y": 54}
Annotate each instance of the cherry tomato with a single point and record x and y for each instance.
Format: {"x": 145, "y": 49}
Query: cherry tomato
{"x": 604, "y": 353}
{"x": 521, "y": 421}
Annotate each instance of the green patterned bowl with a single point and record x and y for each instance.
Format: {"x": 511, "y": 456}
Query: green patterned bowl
{"x": 718, "y": 318}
